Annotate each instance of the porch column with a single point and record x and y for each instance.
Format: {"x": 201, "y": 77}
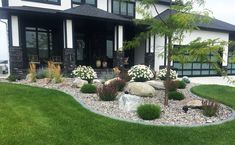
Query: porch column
{"x": 16, "y": 59}
{"x": 149, "y": 51}
{"x": 118, "y": 46}
{"x": 69, "y": 51}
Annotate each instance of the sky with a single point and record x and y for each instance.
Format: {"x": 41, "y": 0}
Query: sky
{"x": 222, "y": 9}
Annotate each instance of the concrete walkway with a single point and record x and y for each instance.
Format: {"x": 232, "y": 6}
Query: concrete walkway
{"x": 214, "y": 80}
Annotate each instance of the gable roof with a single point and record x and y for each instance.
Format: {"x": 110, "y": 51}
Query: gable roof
{"x": 215, "y": 24}
{"x": 93, "y": 12}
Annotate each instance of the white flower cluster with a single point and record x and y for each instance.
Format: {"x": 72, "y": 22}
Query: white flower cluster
{"x": 85, "y": 72}
{"x": 162, "y": 74}
{"x": 140, "y": 72}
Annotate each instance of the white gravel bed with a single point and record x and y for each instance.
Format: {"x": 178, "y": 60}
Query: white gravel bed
{"x": 171, "y": 115}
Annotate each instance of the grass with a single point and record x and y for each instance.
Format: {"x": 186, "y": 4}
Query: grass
{"x": 36, "y": 116}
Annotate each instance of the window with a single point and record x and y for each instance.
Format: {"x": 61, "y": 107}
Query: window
{"x": 46, "y": 1}
{"x": 90, "y": 2}
{"x": 39, "y": 42}
{"x": 124, "y": 8}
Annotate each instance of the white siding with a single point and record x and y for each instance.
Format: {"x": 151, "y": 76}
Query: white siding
{"x": 151, "y": 10}
{"x": 15, "y": 31}
{"x": 69, "y": 30}
{"x": 65, "y": 4}
{"x": 102, "y": 4}
{"x": 204, "y": 35}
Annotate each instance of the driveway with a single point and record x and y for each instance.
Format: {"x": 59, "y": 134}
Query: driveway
{"x": 214, "y": 80}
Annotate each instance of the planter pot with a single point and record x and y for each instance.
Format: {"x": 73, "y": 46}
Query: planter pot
{"x": 98, "y": 63}
{"x": 104, "y": 64}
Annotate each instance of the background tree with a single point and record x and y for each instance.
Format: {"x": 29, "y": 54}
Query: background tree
{"x": 178, "y": 20}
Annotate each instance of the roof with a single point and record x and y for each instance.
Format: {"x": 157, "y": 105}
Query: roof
{"x": 166, "y": 2}
{"x": 215, "y": 24}
{"x": 90, "y": 11}
{"x": 83, "y": 10}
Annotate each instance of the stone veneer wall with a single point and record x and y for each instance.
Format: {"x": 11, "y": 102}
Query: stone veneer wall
{"x": 149, "y": 60}
{"x": 16, "y": 61}
{"x": 118, "y": 58}
{"x": 69, "y": 62}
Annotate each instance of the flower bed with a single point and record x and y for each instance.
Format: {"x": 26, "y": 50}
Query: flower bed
{"x": 172, "y": 115}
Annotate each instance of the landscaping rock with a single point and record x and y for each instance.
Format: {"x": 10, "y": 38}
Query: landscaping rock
{"x": 158, "y": 85}
{"x": 112, "y": 80}
{"x": 78, "y": 82}
{"x": 129, "y": 103}
{"x": 98, "y": 83}
{"x": 140, "y": 89}
{"x": 194, "y": 104}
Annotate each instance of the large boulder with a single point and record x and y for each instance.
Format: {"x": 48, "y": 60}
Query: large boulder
{"x": 129, "y": 103}
{"x": 111, "y": 81}
{"x": 140, "y": 89}
{"x": 158, "y": 85}
{"x": 78, "y": 82}
{"x": 194, "y": 104}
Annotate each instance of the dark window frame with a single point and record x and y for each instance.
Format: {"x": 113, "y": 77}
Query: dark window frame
{"x": 84, "y": 2}
{"x": 37, "y": 30}
{"x": 45, "y": 2}
{"x": 127, "y": 2}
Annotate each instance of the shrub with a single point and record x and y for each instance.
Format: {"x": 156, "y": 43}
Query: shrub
{"x": 41, "y": 74}
{"x": 107, "y": 93}
{"x": 210, "y": 108}
{"x": 54, "y": 72}
{"x": 180, "y": 84}
{"x": 12, "y": 78}
{"x": 186, "y": 80}
{"x": 162, "y": 74}
{"x": 119, "y": 84}
{"x": 149, "y": 111}
{"x": 175, "y": 95}
{"x": 171, "y": 85}
{"x": 88, "y": 88}
{"x": 85, "y": 73}
{"x": 140, "y": 73}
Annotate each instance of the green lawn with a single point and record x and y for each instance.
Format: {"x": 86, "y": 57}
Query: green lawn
{"x": 36, "y": 116}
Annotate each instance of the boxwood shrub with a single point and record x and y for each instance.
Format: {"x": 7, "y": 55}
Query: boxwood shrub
{"x": 180, "y": 84}
{"x": 149, "y": 111}
{"x": 174, "y": 95}
{"x": 88, "y": 88}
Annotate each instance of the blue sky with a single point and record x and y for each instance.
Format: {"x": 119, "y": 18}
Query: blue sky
{"x": 222, "y": 9}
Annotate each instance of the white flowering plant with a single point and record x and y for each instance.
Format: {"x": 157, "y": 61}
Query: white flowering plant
{"x": 140, "y": 73}
{"x": 162, "y": 74}
{"x": 85, "y": 73}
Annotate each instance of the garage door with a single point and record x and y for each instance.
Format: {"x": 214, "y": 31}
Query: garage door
{"x": 196, "y": 68}
{"x": 231, "y": 65}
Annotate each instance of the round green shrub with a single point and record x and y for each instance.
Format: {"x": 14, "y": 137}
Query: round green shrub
{"x": 88, "y": 88}
{"x": 149, "y": 111}
{"x": 12, "y": 78}
{"x": 180, "y": 84}
{"x": 174, "y": 95}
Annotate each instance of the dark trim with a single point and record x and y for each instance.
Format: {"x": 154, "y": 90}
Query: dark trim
{"x": 165, "y": 50}
{"x": 45, "y": 1}
{"x": 65, "y": 33}
{"x": 126, "y": 8}
{"x": 5, "y": 3}
{"x": 83, "y": 2}
{"x": 10, "y": 31}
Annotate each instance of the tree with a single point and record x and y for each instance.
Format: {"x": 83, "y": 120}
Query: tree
{"x": 179, "y": 19}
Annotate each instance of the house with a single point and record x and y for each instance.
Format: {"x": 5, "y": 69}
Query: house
{"x": 80, "y": 32}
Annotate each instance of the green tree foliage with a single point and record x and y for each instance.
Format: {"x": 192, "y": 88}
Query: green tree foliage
{"x": 180, "y": 19}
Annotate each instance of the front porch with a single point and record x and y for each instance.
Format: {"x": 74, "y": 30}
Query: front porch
{"x": 69, "y": 39}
